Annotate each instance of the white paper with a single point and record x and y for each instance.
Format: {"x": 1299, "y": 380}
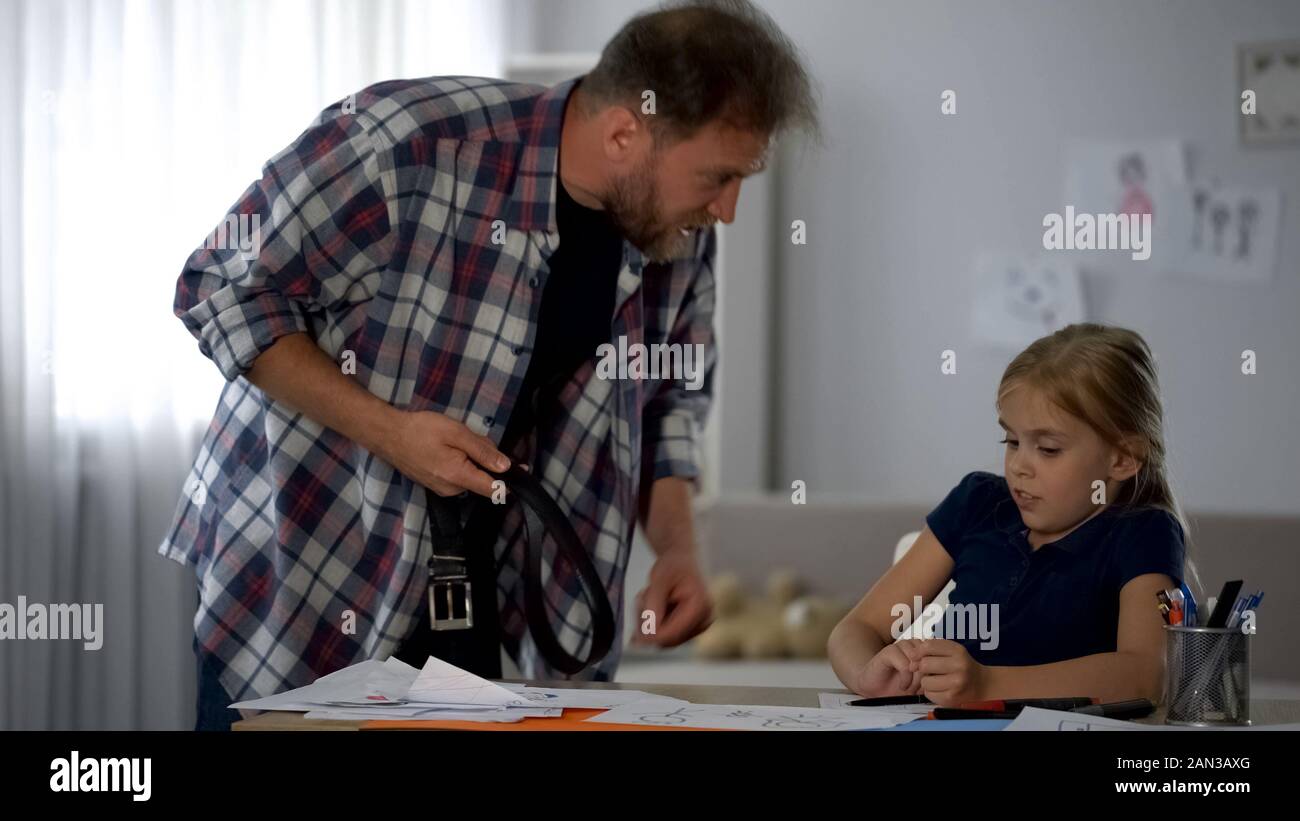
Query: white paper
{"x": 387, "y": 684}
{"x": 1033, "y": 718}
{"x": 588, "y": 699}
{"x": 1126, "y": 177}
{"x": 409, "y": 705}
{"x": 508, "y": 715}
{"x": 346, "y": 684}
{"x": 744, "y": 717}
{"x": 1122, "y": 176}
{"x": 836, "y": 701}
{"x": 373, "y": 683}
{"x": 1226, "y": 233}
{"x": 1018, "y": 300}
{"x": 445, "y": 683}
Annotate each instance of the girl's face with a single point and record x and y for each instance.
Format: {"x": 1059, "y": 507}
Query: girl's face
{"x": 1052, "y": 461}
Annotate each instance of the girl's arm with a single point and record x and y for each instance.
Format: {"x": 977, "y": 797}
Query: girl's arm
{"x": 1135, "y": 670}
{"x": 865, "y": 631}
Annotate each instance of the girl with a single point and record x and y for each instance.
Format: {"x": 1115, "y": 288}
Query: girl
{"x": 1062, "y": 557}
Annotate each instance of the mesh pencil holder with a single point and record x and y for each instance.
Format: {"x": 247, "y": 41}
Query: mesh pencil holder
{"x": 1208, "y": 676}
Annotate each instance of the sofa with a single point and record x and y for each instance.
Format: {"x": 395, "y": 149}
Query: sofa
{"x": 841, "y": 547}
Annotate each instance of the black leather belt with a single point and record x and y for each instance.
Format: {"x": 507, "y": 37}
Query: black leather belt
{"x": 450, "y": 586}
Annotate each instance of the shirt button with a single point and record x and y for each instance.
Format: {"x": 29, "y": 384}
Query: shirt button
{"x": 1014, "y": 579}
{"x": 489, "y": 421}
{"x": 532, "y": 283}
{"x": 518, "y": 350}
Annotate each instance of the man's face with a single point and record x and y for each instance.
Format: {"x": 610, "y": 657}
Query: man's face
{"x": 690, "y": 184}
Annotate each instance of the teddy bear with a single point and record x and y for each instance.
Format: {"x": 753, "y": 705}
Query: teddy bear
{"x": 786, "y": 622}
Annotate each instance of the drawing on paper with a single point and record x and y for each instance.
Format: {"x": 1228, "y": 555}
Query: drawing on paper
{"x": 1225, "y": 232}
{"x": 1019, "y": 300}
{"x": 677, "y": 716}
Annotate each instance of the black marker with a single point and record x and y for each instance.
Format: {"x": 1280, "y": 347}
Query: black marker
{"x": 1135, "y": 708}
{"x": 1223, "y": 606}
{"x": 889, "y": 701}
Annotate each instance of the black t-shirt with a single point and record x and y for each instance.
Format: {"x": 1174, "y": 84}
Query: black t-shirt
{"x": 575, "y": 318}
{"x": 577, "y": 308}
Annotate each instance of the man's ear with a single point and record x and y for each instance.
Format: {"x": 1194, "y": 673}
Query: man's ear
{"x": 622, "y": 134}
{"x": 1127, "y": 459}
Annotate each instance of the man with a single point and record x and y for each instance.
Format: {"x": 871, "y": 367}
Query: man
{"x": 437, "y": 262}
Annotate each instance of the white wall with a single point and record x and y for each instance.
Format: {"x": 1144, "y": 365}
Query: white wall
{"x": 902, "y": 200}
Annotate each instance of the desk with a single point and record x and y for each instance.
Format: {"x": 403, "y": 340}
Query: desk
{"x": 1262, "y": 711}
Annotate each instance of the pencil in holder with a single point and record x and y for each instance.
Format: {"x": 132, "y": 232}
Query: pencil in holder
{"x": 1208, "y": 676}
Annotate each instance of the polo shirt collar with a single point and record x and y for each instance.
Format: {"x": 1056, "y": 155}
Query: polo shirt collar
{"x": 1007, "y": 518}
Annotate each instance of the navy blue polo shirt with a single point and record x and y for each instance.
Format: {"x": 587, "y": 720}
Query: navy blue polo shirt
{"x": 1060, "y": 601}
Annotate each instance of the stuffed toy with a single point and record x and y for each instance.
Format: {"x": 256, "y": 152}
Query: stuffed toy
{"x": 786, "y": 622}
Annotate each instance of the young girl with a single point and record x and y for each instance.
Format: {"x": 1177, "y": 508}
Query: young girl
{"x": 1062, "y": 557}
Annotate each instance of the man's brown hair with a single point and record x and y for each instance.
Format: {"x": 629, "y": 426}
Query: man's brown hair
{"x": 706, "y": 61}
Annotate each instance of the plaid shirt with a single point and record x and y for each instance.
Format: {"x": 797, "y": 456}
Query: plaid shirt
{"x": 376, "y": 237}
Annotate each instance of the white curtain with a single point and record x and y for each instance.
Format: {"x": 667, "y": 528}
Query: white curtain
{"x": 139, "y": 124}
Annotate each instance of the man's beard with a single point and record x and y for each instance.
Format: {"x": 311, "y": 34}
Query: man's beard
{"x": 633, "y": 207}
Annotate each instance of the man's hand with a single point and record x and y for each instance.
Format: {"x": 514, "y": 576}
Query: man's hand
{"x": 679, "y": 599}
{"x": 427, "y": 447}
{"x": 442, "y": 454}
{"x": 675, "y": 593}
{"x": 949, "y": 676}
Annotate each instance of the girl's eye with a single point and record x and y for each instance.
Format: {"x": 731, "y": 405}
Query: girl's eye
{"x": 1050, "y": 451}
{"x": 1010, "y": 442}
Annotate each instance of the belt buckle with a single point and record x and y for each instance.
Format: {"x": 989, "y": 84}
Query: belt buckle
{"x": 451, "y": 606}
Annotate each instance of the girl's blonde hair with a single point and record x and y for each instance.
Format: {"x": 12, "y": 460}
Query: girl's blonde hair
{"x": 1106, "y": 376}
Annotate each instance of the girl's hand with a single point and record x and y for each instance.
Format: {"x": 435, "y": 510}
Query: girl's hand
{"x": 891, "y": 672}
{"x": 949, "y": 676}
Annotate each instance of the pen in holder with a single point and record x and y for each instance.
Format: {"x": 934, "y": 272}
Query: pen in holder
{"x": 1209, "y": 676}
